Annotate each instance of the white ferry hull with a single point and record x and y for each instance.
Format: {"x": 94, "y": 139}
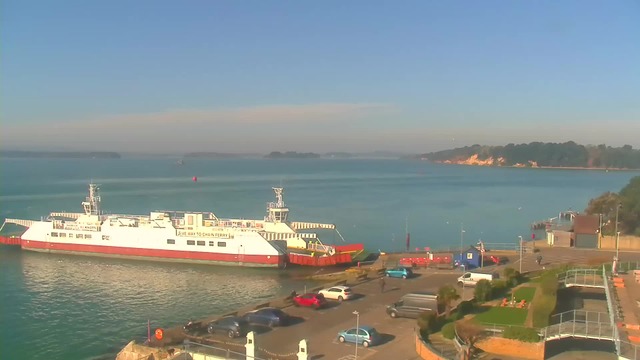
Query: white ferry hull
{"x": 266, "y": 261}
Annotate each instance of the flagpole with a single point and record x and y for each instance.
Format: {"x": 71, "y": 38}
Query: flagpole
{"x": 148, "y": 330}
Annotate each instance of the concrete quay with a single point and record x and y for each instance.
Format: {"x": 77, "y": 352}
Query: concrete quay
{"x": 320, "y": 327}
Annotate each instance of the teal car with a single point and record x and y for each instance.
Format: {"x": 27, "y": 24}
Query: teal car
{"x": 366, "y": 335}
{"x": 399, "y": 272}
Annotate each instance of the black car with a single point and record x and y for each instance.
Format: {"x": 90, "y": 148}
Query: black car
{"x": 233, "y": 326}
{"x": 267, "y": 316}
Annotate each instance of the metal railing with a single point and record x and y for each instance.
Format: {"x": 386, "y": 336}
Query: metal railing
{"x": 208, "y": 350}
{"x": 437, "y": 350}
{"x": 582, "y": 277}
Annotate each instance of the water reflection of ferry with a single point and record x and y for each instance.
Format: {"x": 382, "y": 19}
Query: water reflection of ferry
{"x": 181, "y": 236}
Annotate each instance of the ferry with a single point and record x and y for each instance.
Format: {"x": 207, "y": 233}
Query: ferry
{"x": 182, "y": 236}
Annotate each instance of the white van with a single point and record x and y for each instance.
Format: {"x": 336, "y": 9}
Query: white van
{"x": 471, "y": 278}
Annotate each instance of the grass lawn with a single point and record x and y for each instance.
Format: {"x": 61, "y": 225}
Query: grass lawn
{"x": 525, "y": 293}
{"x": 503, "y": 316}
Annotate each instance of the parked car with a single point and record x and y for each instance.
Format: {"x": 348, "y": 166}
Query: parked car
{"x": 193, "y": 327}
{"x": 313, "y": 300}
{"x": 267, "y": 316}
{"x": 233, "y": 326}
{"x": 337, "y": 293}
{"x": 471, "y": 278}
{"x": 399, "y": 272}
{"x": 413, "y": 304}
{"x": 366, "y": 336}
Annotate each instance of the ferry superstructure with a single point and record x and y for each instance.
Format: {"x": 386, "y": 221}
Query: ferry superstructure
{"x": 178, "y": 236}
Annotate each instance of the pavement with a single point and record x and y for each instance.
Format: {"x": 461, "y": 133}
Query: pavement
{"x": 320, "y": 327}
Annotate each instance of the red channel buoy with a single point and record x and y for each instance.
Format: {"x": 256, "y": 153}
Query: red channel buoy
{"x": 195, "y": 178}
{"x": 159, "y": 334}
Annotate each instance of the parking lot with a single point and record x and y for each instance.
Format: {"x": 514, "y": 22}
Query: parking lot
{"x": 320, "y": 327}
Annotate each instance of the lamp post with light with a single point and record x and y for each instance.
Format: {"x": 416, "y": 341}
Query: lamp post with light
{"x": 357, "y": 314}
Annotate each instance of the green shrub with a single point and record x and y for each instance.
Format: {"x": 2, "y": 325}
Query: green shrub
{"x": 464, "y": 308}
{"x": 498, "y": 287}
{"x": 427, "y": 322}
{"x": 482, "y": 292}
{"x": 519, "y": 333}
{"x": 542, "y": 308}
{"x": 455, "y": 316}
{"x": 508, "y": 272}
{"x": 448, "y": 331}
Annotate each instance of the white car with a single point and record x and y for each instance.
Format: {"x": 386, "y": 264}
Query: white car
{"x": 339, "y": 293}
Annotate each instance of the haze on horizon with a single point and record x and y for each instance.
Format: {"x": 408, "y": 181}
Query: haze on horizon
{"x": 255, "y": 76}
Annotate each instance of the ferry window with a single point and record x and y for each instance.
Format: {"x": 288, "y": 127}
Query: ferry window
{"x": 211, "y": 243}
{"x": 79, "y": 236}
{"x": 200, "y": 242}
{"x": 171, "y": 241}
{"x": 105, "y": 237}
{"x": 87, "y": 236}
{"x": 190, "y": 220}
{"x": 222, "y": 244}
{"x": 54, "y": 234}
{"x": 63, "y": 234}
{"x": 191, "y": 242}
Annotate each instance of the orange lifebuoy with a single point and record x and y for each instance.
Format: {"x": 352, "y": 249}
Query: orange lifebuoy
{"x": 159, "y": 334}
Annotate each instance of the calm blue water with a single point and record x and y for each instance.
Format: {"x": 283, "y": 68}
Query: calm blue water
{"x": 71, "y": 307}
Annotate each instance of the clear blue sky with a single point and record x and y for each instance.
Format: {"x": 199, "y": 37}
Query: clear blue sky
{"x": 324, "y": 75}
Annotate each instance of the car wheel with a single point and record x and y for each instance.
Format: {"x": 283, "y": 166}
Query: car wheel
{"x": 404, "y": 276}
{"x": 316, "y": 306}
{"x": 271, "y": 323}
{"x": 460, "y": 284}
{"x": 365, "y": 344}
{"x": 296, "y": 304}
{"x": 393, "y": 314}
{"x": 340, "y": 298}
{"x": 341, "y": 339}
{"x": 388, "y": 275}
{"x": 231, "y": 334}
{"x": 210, "y": 330}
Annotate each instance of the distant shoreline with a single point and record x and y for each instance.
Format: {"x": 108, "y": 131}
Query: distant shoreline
{"x": 535, "y": 167}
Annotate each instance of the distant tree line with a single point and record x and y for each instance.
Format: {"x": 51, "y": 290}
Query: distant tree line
{"x": 60, "y": 154}
{"x": 291, "y": 155}
{"x": 628, "y": 200}
{"x": 567, "y": 154}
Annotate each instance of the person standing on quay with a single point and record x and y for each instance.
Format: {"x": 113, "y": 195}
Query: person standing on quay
{"x": 382, "y": 284}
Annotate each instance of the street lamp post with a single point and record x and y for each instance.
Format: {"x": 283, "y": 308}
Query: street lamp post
{"x": 520, "y": 254}
{"x": 357, "y": 314}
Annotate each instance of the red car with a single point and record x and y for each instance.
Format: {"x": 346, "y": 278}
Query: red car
{"x": 313, "y": 300}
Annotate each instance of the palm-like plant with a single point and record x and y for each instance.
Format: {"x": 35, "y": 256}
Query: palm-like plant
{"x": 446, "y": 295}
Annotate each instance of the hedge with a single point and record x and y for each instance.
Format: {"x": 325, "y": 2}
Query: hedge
{"x": 482, "y": 291}
{"x": 519, "y": 333}
{"x": 464, "y": 308}
{"x": 428, "y": 322}
{"x": 448, "y": 331}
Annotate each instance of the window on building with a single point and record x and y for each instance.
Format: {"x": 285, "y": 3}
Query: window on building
{"x": 191, "y": 242}
{"x": 171, "y": 241}
{"x": 78, "y": 236}
{"x": 222, "y": 244}
{"x": 63, "y": 234}
{"x": 87, "y": 236}
{"x": 212, "y": 243}
{"x": 201, "y": 243}
{"x": 54, "y": 234}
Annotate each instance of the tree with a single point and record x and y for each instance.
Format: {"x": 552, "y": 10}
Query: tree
{"x": 470, "y": 332}
{"x": 482, "y": 291}
{"x": 446, "y": 295}
{"x": 628, "y": 213}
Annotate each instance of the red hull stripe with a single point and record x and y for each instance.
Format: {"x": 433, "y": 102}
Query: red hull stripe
{"x": 9, "y": 240}
{"x": 172, "y": 254}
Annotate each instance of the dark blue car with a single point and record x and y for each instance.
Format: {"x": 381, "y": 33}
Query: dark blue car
{"x": 267, "y": 316}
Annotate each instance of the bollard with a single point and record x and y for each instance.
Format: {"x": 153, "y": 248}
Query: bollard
{"x": 303, "y": 350}
{"x": 250, "y": 346}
